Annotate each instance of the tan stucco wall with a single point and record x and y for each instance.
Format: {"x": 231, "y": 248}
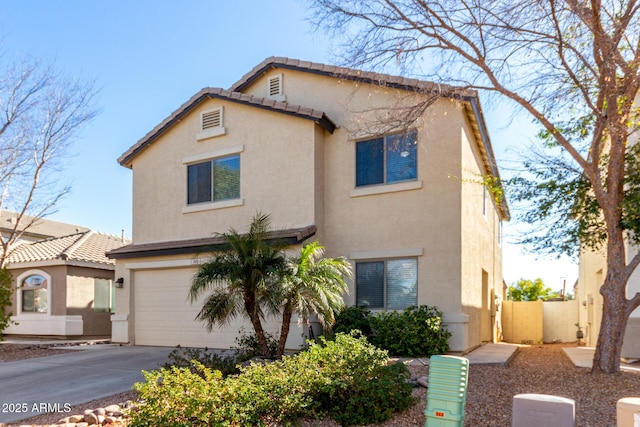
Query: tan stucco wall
{"x": 80, "y": 299}
{"x": 71, "y": 293}
{"x": 303, "y": 175}
{"x": 277, "y": 174}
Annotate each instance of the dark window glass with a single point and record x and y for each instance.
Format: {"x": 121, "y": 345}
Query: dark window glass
{"x": 370, "y": 284}
{"x": 401, "y": 157}
{"x": 370, "y": 162}
{"x": 391, "y": 284}
{"x": 199, "y": 182}
{"x": 393, "y": 158}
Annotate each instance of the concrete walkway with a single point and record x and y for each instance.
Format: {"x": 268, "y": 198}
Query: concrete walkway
{"x": 499, "y": 354}
{"x": 72, "y": 378}
{"x": 582, "y": 357}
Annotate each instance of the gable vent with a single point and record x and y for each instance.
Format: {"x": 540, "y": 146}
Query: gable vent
{"x": 211, "y": 119}
{"x": 274, "y": 88}
{"x": 211, "y": 124}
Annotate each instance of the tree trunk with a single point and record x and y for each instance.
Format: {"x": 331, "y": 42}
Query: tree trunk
{"x": 287, "y": 313}
{"x": 615, "y": 311}
{"x": 252, "y": 310}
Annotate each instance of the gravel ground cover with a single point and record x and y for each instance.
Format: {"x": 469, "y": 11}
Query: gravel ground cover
{"x": 541, "y": 369}
{"x": 11, "y": 352}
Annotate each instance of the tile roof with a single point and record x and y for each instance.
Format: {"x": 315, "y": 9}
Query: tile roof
{"x": 88, "y": 246}
{"x": 345, "y": 73}
{"x": 211, "y": 92}
{"x": 41, "y": 228}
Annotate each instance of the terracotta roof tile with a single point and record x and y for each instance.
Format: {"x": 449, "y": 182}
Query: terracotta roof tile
{"x": 87, "y": 246}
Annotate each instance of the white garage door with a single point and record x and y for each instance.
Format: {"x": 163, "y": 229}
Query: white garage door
{"x": 165, "y": 317}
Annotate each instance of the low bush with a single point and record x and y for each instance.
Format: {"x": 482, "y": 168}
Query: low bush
{"x": 183, "y": 357}
{"x": 346, "y": 378}
{"x": 414, "y": 332}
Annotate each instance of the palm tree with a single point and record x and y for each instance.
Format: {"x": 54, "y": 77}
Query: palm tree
{"x": 242, "y": 279}
{"x": 313, "y": 285}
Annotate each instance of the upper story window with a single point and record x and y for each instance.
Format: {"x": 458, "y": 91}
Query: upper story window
{"x": 214, "y": 180}
{"x": 34, "y": 294}
{"x": 387, "y": 284}
{"x": 387, "y": 160}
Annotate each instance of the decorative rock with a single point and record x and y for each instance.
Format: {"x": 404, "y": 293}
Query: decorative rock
{"x": 112, "y": 408}
{"x": 100, "y": 411}
{"x": 91, "y": 418}
{"x": 423, "y": 381}
{"x": 83, "y": 424}
{"x": 110, "y": 420}
{"x": 75, "y": 418}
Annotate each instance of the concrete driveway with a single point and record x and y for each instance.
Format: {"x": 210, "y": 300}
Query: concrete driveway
{"x": 33, "y": 385}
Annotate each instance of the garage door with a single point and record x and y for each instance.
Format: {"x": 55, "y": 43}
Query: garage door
{"x": 165, "y": 317}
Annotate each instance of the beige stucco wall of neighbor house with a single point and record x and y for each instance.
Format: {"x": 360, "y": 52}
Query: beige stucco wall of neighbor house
{"x": 56, "y": 321}
{"x": 592, "y": 271}
{"x": 80, "y": 299}
{"x": 273, "y": 148}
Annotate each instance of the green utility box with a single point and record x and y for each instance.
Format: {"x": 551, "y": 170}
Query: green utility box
{"x": 447, "y": 391}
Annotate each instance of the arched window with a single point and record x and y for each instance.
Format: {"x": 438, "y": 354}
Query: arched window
{"x": 34, "y": 293}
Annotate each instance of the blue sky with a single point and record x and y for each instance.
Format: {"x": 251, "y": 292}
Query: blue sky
{"x": 148, "y": 57}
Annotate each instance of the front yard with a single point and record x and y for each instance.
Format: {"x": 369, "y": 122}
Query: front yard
{"x": 535, "y": 369}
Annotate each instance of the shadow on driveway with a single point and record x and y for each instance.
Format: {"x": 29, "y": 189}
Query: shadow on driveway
{"x": 29, "y": 386}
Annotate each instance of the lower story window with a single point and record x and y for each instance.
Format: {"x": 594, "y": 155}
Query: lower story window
{"x": 35, "y": 298}
{"x": 103, "y": 296}
{"x": 388, "y": 284}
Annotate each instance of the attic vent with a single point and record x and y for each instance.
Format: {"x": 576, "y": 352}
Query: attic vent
{"x": 212, "y": 119}
{"x": 212, "y": 122}
{"x": 274, "y": 88}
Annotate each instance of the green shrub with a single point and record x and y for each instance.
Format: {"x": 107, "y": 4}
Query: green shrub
{"x": 5, "y": 300}
{"x": 182, "y": 357}
{"x": 354, "y": 384}
{"x": 414, "y": 332}
{"x": 353, "y": 318}
{"x": 346, "y": 378}
{"x": 247, "y": 345}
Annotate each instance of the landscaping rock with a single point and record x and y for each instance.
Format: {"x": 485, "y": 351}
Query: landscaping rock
{"x": 423, "y": 381}
{"x": 91, "y": 418}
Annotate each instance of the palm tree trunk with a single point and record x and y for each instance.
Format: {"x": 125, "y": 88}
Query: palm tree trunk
{"x": 287, "y": 313}
{"x": 252, "y": 310}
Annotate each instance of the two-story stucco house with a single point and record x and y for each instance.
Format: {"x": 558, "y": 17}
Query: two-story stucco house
{"x": 332, "y": 154}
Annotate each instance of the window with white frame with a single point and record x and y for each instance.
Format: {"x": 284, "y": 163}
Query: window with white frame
{"x": 214, "y": 180}
{"x": 387, "y": 284}
{"x": 34, "y": 293}
{"x": 103, "y": 295}
{"x": 387, "y": 160}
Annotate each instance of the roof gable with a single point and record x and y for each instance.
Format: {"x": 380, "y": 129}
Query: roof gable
{"x": 317, "y": 116}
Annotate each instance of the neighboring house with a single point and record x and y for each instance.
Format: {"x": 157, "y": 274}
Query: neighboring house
{"x": 39, "y": 228}
{"x": 593, "y": 267}
{"x": 64, "y": 285}
{"x": 329, "y": 154}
